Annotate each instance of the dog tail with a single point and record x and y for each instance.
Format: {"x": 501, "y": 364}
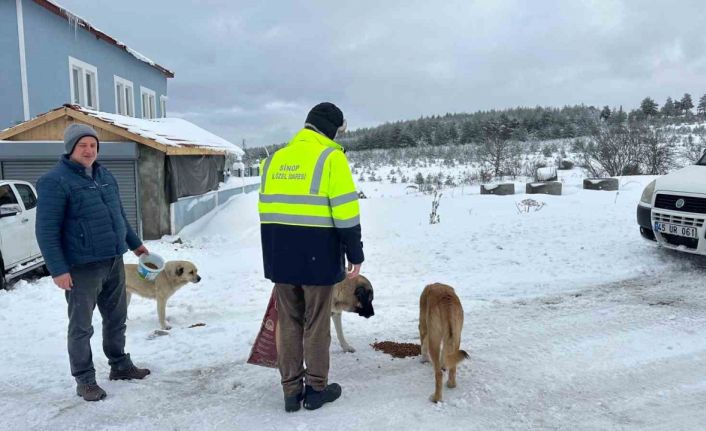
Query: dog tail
{"x": 456, "y": 357}
{"x": 455, "y": 354}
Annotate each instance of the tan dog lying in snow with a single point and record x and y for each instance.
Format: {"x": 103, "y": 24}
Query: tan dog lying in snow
{"x": 440, "y": 325}
{"x": 175, "y": 275}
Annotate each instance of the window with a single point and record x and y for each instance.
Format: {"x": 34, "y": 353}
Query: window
{"x": 27, "y": 196}
{"x": 7, "y": 196}
{"x": 163, "y": 106}
{"x": 149, "y": 108}
{"x": 124, "y": 100}
{"x": 83, "y": 82}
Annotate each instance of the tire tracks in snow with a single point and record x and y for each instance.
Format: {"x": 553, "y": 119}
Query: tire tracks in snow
{"x": 615, "y": 355}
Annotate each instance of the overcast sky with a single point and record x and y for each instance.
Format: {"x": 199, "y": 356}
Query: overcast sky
{"x": 252, "y": 70}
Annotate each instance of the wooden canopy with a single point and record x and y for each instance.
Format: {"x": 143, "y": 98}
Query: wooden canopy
{"x": 51, "y": 126}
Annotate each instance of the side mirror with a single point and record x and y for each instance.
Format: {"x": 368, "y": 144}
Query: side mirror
{"x": 9, "y": 210}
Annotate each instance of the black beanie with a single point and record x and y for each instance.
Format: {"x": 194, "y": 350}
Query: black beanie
{"x": 325, "y": 118}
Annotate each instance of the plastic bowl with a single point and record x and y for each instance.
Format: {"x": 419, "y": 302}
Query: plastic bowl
{"x": 149, "y": 266}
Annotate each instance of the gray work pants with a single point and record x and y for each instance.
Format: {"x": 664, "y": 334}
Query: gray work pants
{"x": 99, "y": 283}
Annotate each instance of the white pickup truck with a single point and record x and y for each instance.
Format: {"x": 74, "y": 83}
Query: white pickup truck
{"x": 19, "y": 251}
{"x": 672, "y": 209}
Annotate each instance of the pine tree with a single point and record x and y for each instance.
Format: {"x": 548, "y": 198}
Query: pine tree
{"x": 701, "y": 109}
{"x": 668, "y": 108}
{"x": 605, "y": 113}
{"x": 406, "y": 140}
{"x": 618, "y": 117}
{"x": 394, "y": 136}
{"x": 686, "y": 103}
{"x": 419, "y": 180}
{"x": 440, "y": 136}
{"x": 648, "y": 107}
{"x": 469, "y": 132}
{"x": 453, "y": 133}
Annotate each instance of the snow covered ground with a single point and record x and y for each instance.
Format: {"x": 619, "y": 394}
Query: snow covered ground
{"x": 571, "y": 319}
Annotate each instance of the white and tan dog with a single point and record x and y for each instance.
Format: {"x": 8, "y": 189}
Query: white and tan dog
{"x": 354, "y": 295}
{"x": 440, "y": 325}
{"x": 175, "y": 275}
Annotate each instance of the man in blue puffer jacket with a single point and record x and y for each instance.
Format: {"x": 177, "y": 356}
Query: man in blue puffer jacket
{"x": 83, "y": 233}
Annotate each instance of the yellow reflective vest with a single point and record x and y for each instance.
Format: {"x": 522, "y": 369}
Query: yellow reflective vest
{"x": 309, "y": 212}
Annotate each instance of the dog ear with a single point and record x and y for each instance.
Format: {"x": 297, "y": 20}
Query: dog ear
{"x": 362, "y": 294}
{"x": 365, "y": 298}
{"x": 179, "y": 271}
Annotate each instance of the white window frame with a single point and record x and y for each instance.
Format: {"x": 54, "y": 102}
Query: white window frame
{"x": 122, "y": 96}
{"x": 84, "y": 69}
{"x": 163, "y": 106}
{"x": 152, "y": 100}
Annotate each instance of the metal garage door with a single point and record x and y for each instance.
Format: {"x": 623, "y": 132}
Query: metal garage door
{"x": 124, "y": 173}
{"x": 122, "y": 170}
{"x": 26, "y": 170}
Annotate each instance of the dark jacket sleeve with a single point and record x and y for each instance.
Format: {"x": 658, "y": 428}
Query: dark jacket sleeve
{"x": 350, "y": 237}
{"x": 51, "y": 205}
{"x": 341, "y": 185}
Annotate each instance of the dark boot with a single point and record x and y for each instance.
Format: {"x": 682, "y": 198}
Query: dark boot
{"x": 314, "y": 399}
{"x": 90, "y": 391}
{"x": 292, "y": 403}
{"x": 128, "y": 374}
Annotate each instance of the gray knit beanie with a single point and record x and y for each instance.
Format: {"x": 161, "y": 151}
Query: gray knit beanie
{"x": 74, "y": 133}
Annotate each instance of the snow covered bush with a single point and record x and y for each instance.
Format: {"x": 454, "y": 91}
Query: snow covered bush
{"x": 433, "y": 216}
{"x": 527, "y": 205}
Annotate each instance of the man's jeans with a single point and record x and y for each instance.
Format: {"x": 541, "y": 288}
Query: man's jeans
{"x": 99, "y": 283}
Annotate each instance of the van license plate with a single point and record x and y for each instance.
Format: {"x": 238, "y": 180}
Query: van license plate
{"x": 675, "y": 229}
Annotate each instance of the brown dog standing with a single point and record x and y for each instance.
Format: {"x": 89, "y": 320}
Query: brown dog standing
{"x": 440, "y": 324}
{"x": 174, "y": 276}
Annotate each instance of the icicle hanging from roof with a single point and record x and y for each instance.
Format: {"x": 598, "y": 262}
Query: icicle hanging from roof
{"x": 73, "y": 21}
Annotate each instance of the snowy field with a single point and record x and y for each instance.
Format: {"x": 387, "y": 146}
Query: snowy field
{"x": 571, "y": 319}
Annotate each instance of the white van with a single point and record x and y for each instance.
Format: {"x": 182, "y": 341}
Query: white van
{"x": 672, "y": 209}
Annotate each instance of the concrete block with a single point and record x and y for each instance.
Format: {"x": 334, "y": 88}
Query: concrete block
{"x": 544, "y": 187}
{"x": 608, "y": 184}
{"x": 497, "y": 189}
{"x": 547, "y": 174}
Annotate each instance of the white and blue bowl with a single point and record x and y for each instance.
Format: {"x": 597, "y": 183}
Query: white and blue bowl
{"x": 148, "y": 273}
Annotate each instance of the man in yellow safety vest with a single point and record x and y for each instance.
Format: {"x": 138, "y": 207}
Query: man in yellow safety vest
{"x": 309, "y": 223}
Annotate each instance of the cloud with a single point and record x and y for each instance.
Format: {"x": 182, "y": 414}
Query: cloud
{"x": 248, "y": 70}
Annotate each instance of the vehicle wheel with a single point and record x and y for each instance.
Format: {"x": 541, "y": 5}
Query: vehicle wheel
{"x": 3, "y": 281}
{"x": 43, "y": 271}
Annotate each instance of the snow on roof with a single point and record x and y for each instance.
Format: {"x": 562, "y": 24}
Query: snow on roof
{"x": 174, "y": 132}
{"x": 76, "y": 21}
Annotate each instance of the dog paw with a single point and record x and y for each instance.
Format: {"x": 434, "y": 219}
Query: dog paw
{"x": 423, "y": 359}
{"x": 166, "y": 327}
{"x": 348, "y": 349}
{"x": 450, "y": 384}
{"x": 434, "y": 399}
